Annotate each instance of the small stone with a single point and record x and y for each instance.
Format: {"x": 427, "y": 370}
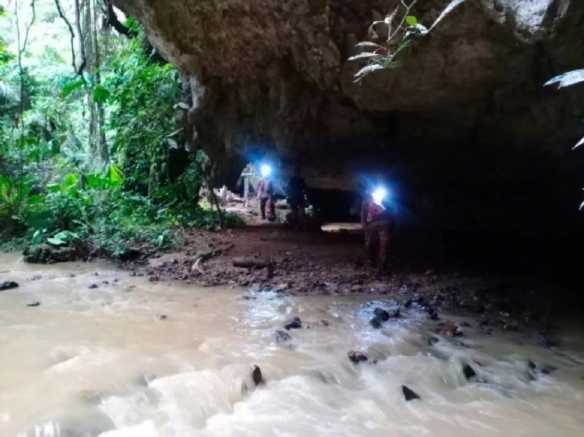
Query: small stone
{"x": 548, "y": 370}
{"x": 295, "y": 323}
{"x": 8, "y": 285}
{"x": 409, "y": 394}
{"x": 381, "y": 314}
{"x": 468, "y": 372}
{"x": 357, "y": 357}
{"x": 34, "y": 304}
{"x": 93, "y": 286}
{"x": 449, "y": 329}
{"x": 163, "y": 317}
{"x": 432, "y": 340}
{"x": 257, "y": 376}
{"x": 282, "y": 336}
{"x": 376, "y": 322}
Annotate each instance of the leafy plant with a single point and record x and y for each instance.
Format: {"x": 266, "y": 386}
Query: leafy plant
{"x": 564, "y": 80}
{"x": 401, "y": 30}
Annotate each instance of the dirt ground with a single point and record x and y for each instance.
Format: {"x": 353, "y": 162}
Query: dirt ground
{"x": 334, "y": 264}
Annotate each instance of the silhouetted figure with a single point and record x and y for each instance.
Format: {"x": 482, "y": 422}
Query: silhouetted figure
{"x": 296, "y": 196}
{"x": 265, "y": 191}
{"x": 378, "y": 223}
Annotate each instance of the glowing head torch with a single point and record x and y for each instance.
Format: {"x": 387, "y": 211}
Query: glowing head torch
{"x": 265, "y": 170}
{"x": 379, "y": 195}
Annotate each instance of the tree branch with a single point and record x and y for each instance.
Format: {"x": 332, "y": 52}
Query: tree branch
{"x": 81, "y": 68}
{"x": 71, "y": 33}
{"x": 112, "y": 20}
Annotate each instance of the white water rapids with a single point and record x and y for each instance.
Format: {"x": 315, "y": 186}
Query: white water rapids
{"x": 136, "y": 359}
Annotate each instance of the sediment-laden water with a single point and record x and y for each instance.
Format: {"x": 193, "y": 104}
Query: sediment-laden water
{"x": 131, "y": 358}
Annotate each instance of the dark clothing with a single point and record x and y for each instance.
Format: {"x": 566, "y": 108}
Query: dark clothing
{"x": 269, "y": 203}
{"x": 378, "y": 223}
{"x": 265, "y": 190}
{"x": 296, "y": 189}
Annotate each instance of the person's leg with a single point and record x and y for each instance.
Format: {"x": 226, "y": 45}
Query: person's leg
{"x": 272, "y": 209}
{"x": 370, "y": 243}
{"x": 263, "y": 201}
{"x": 384, "y": 246}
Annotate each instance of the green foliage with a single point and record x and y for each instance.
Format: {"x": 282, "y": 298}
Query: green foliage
{"x": 53, "y": 190}
{"x": 401, "y": 30}
{"x": 142, "y": 95}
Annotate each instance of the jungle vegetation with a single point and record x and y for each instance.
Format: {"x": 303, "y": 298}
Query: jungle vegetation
{"x": 92, "y": 154}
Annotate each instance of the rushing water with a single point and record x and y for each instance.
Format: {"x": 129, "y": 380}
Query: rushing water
{"x": 135, "y": 359}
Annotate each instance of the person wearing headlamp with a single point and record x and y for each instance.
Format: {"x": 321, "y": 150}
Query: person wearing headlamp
{"x": 378, "y": 222}
{"x": 265, "y": 192}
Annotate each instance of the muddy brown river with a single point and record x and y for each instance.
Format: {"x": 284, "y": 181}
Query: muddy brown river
{"x": 135, "y": 359}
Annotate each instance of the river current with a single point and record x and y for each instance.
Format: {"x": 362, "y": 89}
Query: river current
{"x": 109, "y": 355}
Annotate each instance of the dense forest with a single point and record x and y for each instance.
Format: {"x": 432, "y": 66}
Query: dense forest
{"x": 92, "y": 155}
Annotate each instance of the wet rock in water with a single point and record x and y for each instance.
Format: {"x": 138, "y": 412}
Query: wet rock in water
{"x": 282, "y": 336}
{"x": 409, "y": 394}
{"x": 449, "y": 329}
{"x": 357, "y": 357}
{"x": 295, "y": 323}
{"x": 468, "y": 372}
{"x": 46, "y": 254}
{"x": 433, "y": 314}
{"x": 432, "y": 340}
{"x": 257, "y": 376}
{"x": 381, "y": 314}
{"x": 34, "y": 304}
{"x": 376, "y": 322}
{"x": 8, "y": 285}
{"x": 93, "y": 286}
{"x": 548, "y": 370}
{"x": 545, "y": 340}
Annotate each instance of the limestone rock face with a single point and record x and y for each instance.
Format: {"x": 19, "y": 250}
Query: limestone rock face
{"x": 272, "y": 75}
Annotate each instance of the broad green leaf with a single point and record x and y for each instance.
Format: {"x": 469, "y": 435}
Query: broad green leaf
{"x": 100, "y": 94}
{"x": 71, "y": 86}
{"x": 69, "y": 181}
{"x": 411, "y": 20}
{"x": 54, "y": 241}
{"x": 116, "y": 176}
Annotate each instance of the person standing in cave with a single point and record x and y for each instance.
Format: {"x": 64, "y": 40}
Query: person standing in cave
{"x": 265, "y": 193}
{"x": 296, "y": 197}
{"x": 378, "y": 225}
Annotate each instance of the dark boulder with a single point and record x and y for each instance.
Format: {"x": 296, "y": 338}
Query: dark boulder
{"x": 46, "y": 254}
{"x": 381, "y": 314}
{"x": 376, "y": 322}
{"x": 468, "y": 372}
{"x": 409, "y": 394}
{"x": 257, "y": 376}
{"x": 8, "y": 285}
{"x": 295, "y": 323}
{"x": 357, "y": 357}
{"x": 282, "y": 336}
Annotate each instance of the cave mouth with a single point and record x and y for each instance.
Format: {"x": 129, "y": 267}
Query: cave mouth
{"x": 493, "y": 208}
